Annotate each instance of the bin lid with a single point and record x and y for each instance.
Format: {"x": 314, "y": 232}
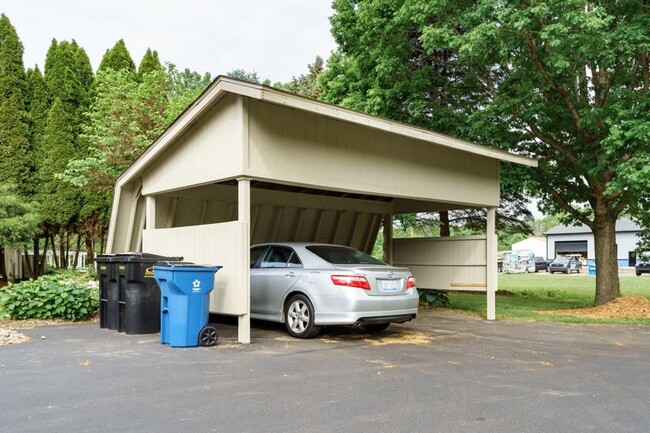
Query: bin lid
{"x": 144, "y": 257}
{"x": 180, "y": 265}
{"x": 104, "y": 258}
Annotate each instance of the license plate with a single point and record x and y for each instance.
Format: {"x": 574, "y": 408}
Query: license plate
{"x": 389, "y": 285}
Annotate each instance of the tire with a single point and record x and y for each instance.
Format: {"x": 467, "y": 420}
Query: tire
{"x": 375, "y": 327}
{"x": 299, "y": 317}
{"x": 208, "y": 336}
{"x": 638, "y": 274}
{"x": 578, "y": 270}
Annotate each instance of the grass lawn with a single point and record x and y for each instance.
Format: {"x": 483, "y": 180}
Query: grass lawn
{"x": 528, "y": 294}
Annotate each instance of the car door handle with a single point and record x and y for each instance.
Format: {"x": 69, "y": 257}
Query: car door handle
{"x": 290, "y": 274}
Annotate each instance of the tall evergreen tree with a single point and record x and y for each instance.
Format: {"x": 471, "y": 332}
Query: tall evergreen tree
{"x": 149, "y": 63}
{"x": 117, "y": 58}
{"x": 38, "y": 105}
{"x": 15, "y": 149}
{"x": 69, "y": 76}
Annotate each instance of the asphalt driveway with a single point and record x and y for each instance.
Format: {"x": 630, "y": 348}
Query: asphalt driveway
{"x": 441, "y": 373}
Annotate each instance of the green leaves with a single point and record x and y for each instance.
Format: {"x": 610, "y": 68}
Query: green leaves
{"x": 433, "y": 298}
{"x": 18, "y": 219}
{"x": 49, "y": 297}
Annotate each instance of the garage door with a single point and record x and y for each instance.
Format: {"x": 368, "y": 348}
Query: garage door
{"x": 563, "y": 248}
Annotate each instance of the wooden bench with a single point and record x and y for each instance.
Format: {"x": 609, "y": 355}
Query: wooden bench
{"x": 468, "y": 287}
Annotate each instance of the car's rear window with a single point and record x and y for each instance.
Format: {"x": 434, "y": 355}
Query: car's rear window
{"x": 343, "y": 255}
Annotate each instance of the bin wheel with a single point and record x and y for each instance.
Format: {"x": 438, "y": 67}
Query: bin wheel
{"x": 208, "y": 336}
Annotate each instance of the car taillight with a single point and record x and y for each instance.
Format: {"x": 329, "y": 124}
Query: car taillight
{"x": 410, "y": 283}
{"x": 351, "y": 281}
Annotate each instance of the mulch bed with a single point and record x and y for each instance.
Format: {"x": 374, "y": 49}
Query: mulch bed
{"x": 626, "y": 307}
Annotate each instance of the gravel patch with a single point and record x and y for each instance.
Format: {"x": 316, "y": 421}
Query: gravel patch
{"x": 9, "y": 336}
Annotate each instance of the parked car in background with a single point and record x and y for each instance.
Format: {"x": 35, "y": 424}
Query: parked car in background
{"x": 565, "y": 264}
{"x": 540, "y": 264}
{"x": 642, "y": 268}
{"x": 307, "y": 286}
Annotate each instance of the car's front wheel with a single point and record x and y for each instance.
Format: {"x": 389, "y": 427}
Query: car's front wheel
{"x": 299, "y": 317}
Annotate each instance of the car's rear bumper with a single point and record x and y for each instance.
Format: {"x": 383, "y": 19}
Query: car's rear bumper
{"x": 364, "y": 309}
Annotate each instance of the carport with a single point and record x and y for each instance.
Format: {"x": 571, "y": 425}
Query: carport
{"x": 246, "y": 164}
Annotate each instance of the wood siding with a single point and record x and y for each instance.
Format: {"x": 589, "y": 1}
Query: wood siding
{"x": 210, "y": 151}
{"x": 439, "y": 263}
{"x": 303, "y": 148}
{"x": 212, "y": 244}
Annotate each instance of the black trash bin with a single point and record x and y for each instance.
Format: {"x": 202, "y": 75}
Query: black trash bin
{"x": 106, "y": 271}
{"x": 129, "y": 294}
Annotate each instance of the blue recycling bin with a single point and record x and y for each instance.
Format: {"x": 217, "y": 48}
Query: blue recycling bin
{"x": 592, "y": 269}
{"x": 184, "y": 303}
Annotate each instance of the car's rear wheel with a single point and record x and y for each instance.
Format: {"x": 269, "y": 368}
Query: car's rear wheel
{"x": 375, "y": 327}
{"x": 299, "y": 317}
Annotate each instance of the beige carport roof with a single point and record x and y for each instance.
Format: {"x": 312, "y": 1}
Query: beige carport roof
{"x": 287, "y": 144}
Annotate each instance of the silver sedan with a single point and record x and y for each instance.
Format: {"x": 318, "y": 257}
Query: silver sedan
{"x": 307, "y": 286}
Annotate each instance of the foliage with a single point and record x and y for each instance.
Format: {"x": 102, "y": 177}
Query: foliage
{"x": 60, "y": 201}
{"x": 184, "y": 88}
{"x": 15, "y": 149}
{"x": 307, "y": 85}
{"x": 69, "y": 77}
{"x": 149, "y": 63}
{"x": 124, "y": 119}
{"x": 50, "y": 297}
{"x": 117, "y": 58}
{"x": 433, "y": 298}
{"x": 18, "y": 219}
{"x": 563, "y": 81}
{"x": 241, "y": 74}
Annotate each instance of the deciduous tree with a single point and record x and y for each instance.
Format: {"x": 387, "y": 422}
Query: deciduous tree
{"x": 564, "y": 81}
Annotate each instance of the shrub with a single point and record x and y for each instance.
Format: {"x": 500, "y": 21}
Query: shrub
{"x": 433, "y": 298}
{"x": 50, "y": 297}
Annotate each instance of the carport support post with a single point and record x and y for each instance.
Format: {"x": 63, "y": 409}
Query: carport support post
{"x": 150, "y": 212}
{"x": 491, "y": 268}
{"x": 244, "y": 216}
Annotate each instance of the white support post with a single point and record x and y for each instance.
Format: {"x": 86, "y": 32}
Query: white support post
{"x": 491, "y": 268}
{"x": 244, "y": 216}
{"x": 150, "y": 212}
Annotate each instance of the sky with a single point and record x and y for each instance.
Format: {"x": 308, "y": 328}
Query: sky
{"x": 275, "y": 38}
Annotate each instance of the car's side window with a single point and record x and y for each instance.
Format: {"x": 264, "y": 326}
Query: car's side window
{"x": 256, "y": 252}
{"x": 294, "y": 261}
{"x": 280, "y": 257}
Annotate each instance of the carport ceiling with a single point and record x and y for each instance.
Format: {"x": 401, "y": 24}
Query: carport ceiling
{"x": 287, "y": 213}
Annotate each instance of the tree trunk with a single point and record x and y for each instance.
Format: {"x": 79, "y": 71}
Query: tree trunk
{"x": 607, "y": 282}
{"x": 90, "y": 251}
{"x": 44, "y": 257}
{"x": 54, "y": 256}
{"x": 63, "y": 262}
{"x": 36, "y": 261}
{"x": 76, "y": 253}
{"x": 3, "y": 270}
{"x": 444, "y": 223}
{"x": 28, "y": 263}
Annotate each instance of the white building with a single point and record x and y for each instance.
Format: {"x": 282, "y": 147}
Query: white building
{"x": 534, "y": 244}
{"x": 563, "y": 240}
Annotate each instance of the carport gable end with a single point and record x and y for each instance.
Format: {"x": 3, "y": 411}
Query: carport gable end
{"x": 336, "y": 175}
